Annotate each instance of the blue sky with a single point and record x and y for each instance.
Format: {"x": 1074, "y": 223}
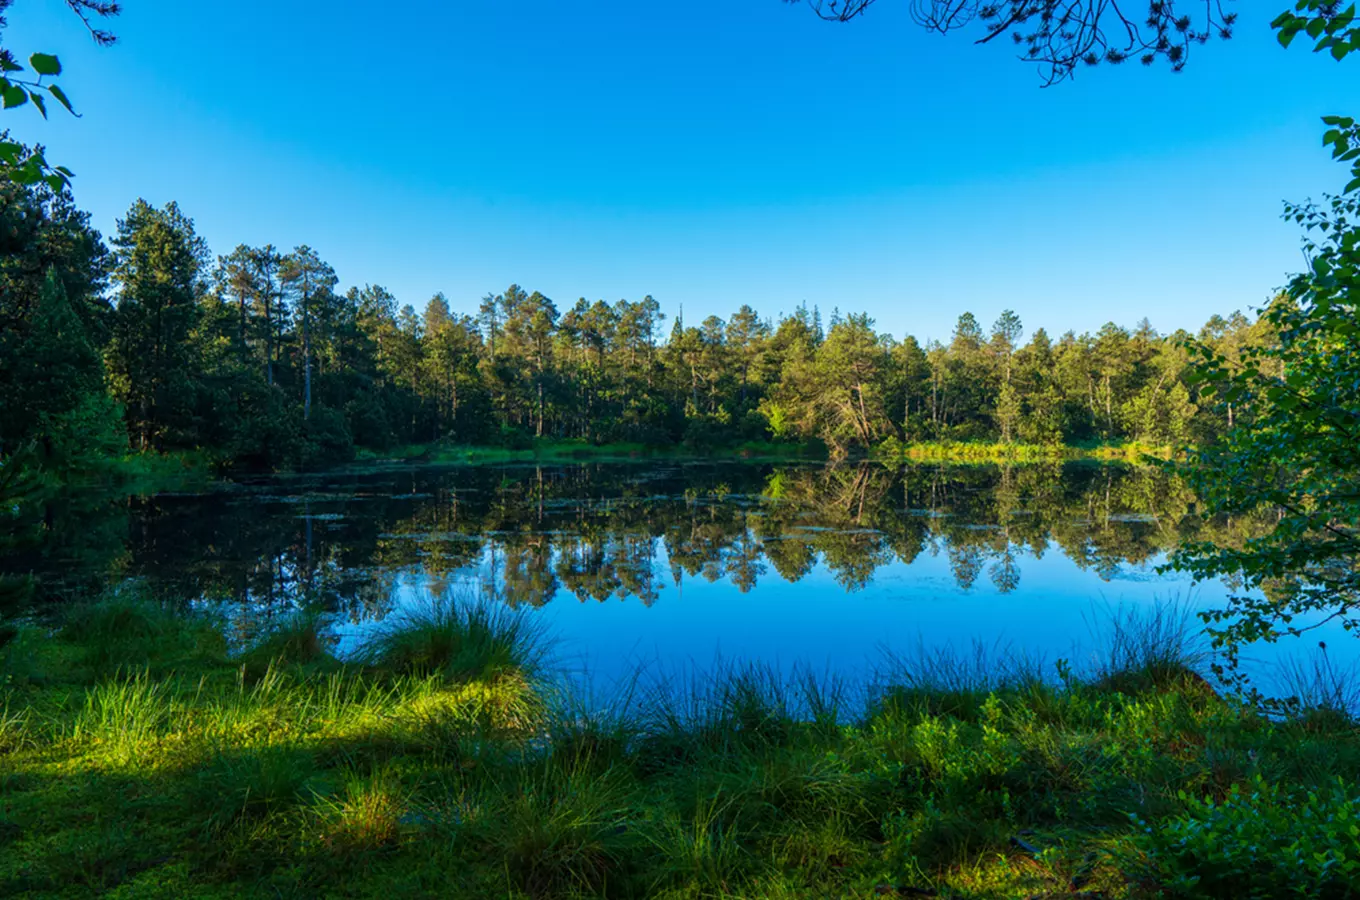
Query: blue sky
{"x": 708, "y": 154}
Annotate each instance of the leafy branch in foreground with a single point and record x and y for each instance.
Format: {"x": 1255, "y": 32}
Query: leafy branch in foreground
{"x": 1061, "y": 35}
{"x": 21, "y": 85}
{"x": 1295, "y": 448}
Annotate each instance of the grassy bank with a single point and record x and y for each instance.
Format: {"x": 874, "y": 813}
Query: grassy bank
{"x": 568, "y": 450}
{"x": 943, "y": 451}
{"x": 981, "y": 452}
{"x": 138, "y": 758}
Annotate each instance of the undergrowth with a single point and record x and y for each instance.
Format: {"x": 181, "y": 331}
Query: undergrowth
{"x": 140, "y": 756}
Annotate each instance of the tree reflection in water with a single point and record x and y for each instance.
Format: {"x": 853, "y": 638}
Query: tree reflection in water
{"x": 607, "y": 531}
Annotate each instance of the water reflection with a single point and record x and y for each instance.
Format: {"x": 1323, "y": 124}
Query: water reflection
{"x": 536, "y": 535}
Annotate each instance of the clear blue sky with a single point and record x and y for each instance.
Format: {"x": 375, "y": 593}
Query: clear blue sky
{"x": 708, "y": 154}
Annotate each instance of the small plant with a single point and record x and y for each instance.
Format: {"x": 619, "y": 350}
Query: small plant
{"x": 300, "y": 639}
{"x": 366, "y": 816}
{"x": 13, "y": 728}
{"x": 126, "y": 629}
{"x": 1261, "y": 841}
{"x": 1319, "y": 695}
{"x": 563, "y": 830}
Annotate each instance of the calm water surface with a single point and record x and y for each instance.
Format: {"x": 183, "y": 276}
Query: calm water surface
{"x": 667, "y": 563}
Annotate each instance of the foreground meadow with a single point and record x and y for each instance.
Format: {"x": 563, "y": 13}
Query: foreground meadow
{"x": 142, "y": 756}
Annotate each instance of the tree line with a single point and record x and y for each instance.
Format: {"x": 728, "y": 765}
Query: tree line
{"x": 148, "y": 342}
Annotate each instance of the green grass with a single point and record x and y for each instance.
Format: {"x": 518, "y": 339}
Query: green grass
{"x": 447, "y": 760}
{"x": 981, "y": 452}
{"x": 554, "y": 449}
{"x": 460, "y": 640}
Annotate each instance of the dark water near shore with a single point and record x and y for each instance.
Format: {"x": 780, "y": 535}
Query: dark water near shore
{"x": 668, "y": 563}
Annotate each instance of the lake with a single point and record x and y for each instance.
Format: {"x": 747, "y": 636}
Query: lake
{"x": 668, "y": 564}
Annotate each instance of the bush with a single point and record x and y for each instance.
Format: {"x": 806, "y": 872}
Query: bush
{"x": 1261, "y": 842}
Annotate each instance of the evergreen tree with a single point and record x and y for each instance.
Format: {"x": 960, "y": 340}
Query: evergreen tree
{"x": 158, "y": 265}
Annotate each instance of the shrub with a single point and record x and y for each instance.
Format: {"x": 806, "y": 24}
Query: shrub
{"x": 1263, "y": 841}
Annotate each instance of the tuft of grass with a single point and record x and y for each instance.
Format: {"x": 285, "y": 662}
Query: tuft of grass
{"x": 564, "y": 829}
{"x": 14, "y": 732}
{"x": 944, "y": 680}
{"x": 1320, "y": 695}
{"x": 704, "y": 714}
{"x": 300, "y": 639}
{"x": 366, "y": 816}
{"x": 1158, "y": 648}
{"x": 703, "y": 849}
{"x": 595, "y": 732}
{"x": 247, "y": 785}
{"x": 461, "y": 640}
{"x": 126, "y": 630}
{"x": 456, "y": 722}
{"x": 124, "y": 716}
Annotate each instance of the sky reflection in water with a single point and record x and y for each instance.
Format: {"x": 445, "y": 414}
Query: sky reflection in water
{"x": 672, "y": 564}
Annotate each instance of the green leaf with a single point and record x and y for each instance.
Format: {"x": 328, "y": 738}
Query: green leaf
{"x": 8, "y": 65}
{"x": 38, "y": 102}
{"x": 14, "y": 96}
{"x": 45, "y": 64}
{"x": 61, "y": 97}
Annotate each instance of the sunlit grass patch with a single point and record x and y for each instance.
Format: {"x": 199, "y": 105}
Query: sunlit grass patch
{"x": 464, "y": 722}
{"x": 14, "y": 726}
{"x": 971, "y": 774}
{"x": 123, "y": 717}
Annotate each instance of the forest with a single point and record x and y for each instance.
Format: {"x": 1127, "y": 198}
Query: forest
{"x": 258, "y": 359}
{"x": 311, "y": 679}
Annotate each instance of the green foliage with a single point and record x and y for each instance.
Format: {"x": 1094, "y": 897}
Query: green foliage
{"x": 1261, "y": 840}
{"x": 21, "y": 85}
{"x": 1293, "y": 448}
{"x": 262, "y": 362}
{"x": 298, "y": 639}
